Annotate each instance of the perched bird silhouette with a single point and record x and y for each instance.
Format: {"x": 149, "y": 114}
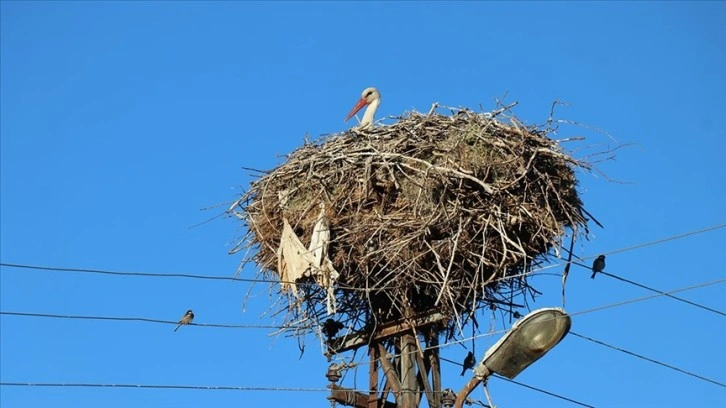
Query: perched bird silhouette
{"x": 598, "y": 265}
{"x": 186, "y": 319}
{"x": 331, "y": 328}
{"x": 469, "y": 362}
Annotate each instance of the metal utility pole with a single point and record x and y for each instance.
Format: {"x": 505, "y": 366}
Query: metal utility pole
{"x": 414, "y": 371}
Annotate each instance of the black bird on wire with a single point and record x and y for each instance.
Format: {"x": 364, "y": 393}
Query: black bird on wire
{"x": 469, "y": 362}
{"x": 331, "y": 328}
{"x": 186, "y": 319}
{"x": 598, "y": 265}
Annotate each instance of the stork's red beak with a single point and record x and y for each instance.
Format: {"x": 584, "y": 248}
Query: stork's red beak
{"x": 358, "y": 106}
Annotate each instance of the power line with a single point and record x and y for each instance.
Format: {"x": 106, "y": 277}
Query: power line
{"x": 229, "y": 388}
{"x": 243, "y": 388}
{"x": 666, "y": 294}
{"x": 302, "y": 327}
{"x": 586, "y": 311}
{"x": 544, "y": 391}
{"x": 234, "y": 388}
{"x": 141, "y": 274}
{"x": 443, "y": 345}
{"x": 609, "y": 346}
{"x": 228, "y": 278}
{"x": 158, "y": 386}
{"x": 625, "y": 302}
{"x": 658, "y": 293}
{"x": 671, "y": 238}
{"x": 525, "y": 385}
{"x": 648, "y": 359}
{"x": 494, "y": 332}
{"x": 143, "y": 319}
{"x": 302, "y": 389}
{"x": 625, "y": 249}
{"x": 654, "y": 290}
{"x": 165, "y": 275}
{"x": 189, "y": 387}
{"x": 591, "y": 310}
{"x": 646, "y": 287}
{"x": 366, "y": 362}
{"x": 271, "y": 389}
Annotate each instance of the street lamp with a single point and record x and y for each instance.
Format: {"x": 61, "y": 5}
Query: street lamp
{"x": 530, "y": 338}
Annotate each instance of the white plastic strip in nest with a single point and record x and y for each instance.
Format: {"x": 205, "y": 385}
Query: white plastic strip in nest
{"x": 294, "y": 261}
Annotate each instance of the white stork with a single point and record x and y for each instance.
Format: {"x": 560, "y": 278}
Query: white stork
{"x": 370, "y": 97}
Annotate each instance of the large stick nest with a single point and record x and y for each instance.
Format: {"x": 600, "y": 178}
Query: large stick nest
{"x": 432, "y": 213}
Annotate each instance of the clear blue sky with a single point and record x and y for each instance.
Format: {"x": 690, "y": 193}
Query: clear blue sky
{"x": 121, "y": 121}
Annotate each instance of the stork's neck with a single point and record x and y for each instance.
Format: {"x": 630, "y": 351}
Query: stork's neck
{"x": 370, "y": 112}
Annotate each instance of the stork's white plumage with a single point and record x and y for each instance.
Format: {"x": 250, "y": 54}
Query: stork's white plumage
{"x": 370, "y": 97}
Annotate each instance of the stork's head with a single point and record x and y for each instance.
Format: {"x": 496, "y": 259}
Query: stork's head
{"x": 368, "y": 96}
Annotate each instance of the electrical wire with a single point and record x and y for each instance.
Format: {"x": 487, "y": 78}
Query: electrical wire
{"x": 139, "y": 274}
{"x": 439, "y": 346}
{"x": 443, "y": 345}
{"x": 617, "y": 304}
{"x": 202, "y": 387}
{"x": 648, "y": 359}
{"x": 272, "y": 389}
{"x": 302, "y": 327}
{"x": 526, "y": 386}
{"x": 671, "y": 238}
{"x": 144, "y": 319}
{"x": 658, "y": 291}
{"x": 241, "y": 388}
{"x": 303, "y": 389}
{"x": 159, "y": 386}
{"x": 228, "y": 278}
{"x": 168, "y": 275}
{"x": 98, "y": 271}
{"x": 591, "y": 310}
{"x": 616, "y": 251}
{"x": 544, "y": 391}
{"x": 625, "y": 302}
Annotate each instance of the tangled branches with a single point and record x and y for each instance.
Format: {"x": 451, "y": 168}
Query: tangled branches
{"x": 433, "y": 213}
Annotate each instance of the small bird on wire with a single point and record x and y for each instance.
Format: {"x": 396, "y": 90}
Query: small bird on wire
{"x": 598, "y": 265}
{"x": 331, "y": 328}
{"x": 186, "y": 319}
{"x": 469, "y": 362}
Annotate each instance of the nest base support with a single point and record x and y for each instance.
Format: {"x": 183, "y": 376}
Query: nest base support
{"x": 409, "y": 375}
{"x": 358, "y": 339}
